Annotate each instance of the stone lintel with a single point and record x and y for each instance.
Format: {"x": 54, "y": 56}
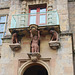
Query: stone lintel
{"x": 66, "y": 33}
{"x": 6, "y": 37}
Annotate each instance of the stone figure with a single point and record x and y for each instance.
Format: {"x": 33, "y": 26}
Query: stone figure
{"x": 35, "y": 40}
{"x": 54, "y": 35}
{"x": 15, "y": 36}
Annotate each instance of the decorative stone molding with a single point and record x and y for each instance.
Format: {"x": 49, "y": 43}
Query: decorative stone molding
{"x": 23, "y": 7}
{"x": 54, "y": 44}
{"x": 28, "y": 63}
{"x": 50, "y": 5}
{"x": 15, "y": 47}
{"x": 34, "y": 56}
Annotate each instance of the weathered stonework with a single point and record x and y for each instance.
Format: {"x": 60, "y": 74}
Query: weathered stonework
{"x": 57, "y": 62}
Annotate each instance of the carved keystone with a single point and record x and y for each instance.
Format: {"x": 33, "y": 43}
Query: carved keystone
{"x": 34, "y": 56}
{"x": 15, "y": 47}
{"x": 54, "y": 44}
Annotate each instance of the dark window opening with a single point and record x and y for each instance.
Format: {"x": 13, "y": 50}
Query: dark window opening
{"x": 36, "y": 70}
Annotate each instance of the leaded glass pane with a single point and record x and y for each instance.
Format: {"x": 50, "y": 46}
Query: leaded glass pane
{"x": 42, "y": 18}
{"x": 33, "y": 11}
{"x": 2, "y": 19}
{"x": 2, "y": 26}
{"x": 32, "y": 19}
{"x": 1, "y": 35}
{"x": 42, "y": 10}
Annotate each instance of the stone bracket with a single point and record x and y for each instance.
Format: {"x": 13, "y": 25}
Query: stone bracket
{"x": 54, "y": 44}
{"x": 34, "y": 56}
{"x": 15, "y": 47}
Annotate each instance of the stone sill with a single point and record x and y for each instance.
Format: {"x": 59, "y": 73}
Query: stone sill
{"x": 7, "y": 37}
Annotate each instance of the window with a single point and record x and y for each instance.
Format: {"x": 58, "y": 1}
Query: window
{"x": 3, "y": 25}
{"x": 38, "y": 14}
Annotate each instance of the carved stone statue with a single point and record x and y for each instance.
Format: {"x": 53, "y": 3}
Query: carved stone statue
{"x": 35, "y": 40}
{"x": 54, "y": 35}
{"x": 15, "y": 36}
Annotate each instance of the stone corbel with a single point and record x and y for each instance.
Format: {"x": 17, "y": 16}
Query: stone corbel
{"x": 54, "y": 44}
{"x": 15, "y": 47}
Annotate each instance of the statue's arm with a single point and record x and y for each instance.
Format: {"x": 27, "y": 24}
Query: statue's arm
{"x": 38, "y": 35}
{"x": 31, "y": 35}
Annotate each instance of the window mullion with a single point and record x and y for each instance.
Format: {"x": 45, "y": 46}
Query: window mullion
{"x": 38, "y": 16}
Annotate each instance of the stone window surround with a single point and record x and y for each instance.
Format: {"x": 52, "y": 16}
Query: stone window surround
{"x": 26, "y": 5}
{"x": 29, "y": 62}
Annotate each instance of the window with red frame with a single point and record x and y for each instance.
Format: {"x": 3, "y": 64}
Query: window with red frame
{"x": 37, "y": 14}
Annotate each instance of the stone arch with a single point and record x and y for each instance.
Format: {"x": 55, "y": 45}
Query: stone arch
{"x": 28, "y": 63}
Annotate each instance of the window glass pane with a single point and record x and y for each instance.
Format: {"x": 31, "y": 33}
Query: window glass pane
{"x": 43, "y": 10}
{"x": 33, "y": 10}
{"x": 2, "y": 26}
{"x": 42, "y": 18}
{"x": 2, "y": 18}
{"x": 1, "y": 35}
{"x": 32, "y": 19}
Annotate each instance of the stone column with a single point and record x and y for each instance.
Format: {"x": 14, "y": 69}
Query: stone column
{"x": 50, "y": 5}
{"x": 23, "y": 7}
{"x": 23, "y": 19}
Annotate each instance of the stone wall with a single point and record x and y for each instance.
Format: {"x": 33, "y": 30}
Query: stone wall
{"x": 71, "y": 7}
{"x": 61, "y": 60}
{"x": 62, "y": 8}
{"x": 5, "y": 3}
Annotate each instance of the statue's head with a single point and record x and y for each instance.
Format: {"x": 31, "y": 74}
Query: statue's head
{"x": 51, "y": 31}
{"x": 35, "y": 37}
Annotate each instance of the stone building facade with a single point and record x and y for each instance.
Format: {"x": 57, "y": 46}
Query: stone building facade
{"x": 18, "y": 59}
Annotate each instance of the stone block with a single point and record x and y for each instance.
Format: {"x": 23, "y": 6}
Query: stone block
{"x": 34, "y": 56}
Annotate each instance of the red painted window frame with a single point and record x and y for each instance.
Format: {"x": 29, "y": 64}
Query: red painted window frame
{"x": 37, "y": 15}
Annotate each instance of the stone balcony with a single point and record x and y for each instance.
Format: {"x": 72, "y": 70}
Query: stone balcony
{"x": 21, "y": 22}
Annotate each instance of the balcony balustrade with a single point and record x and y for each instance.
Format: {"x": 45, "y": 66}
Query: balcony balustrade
{"x": 43, "y": 19}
